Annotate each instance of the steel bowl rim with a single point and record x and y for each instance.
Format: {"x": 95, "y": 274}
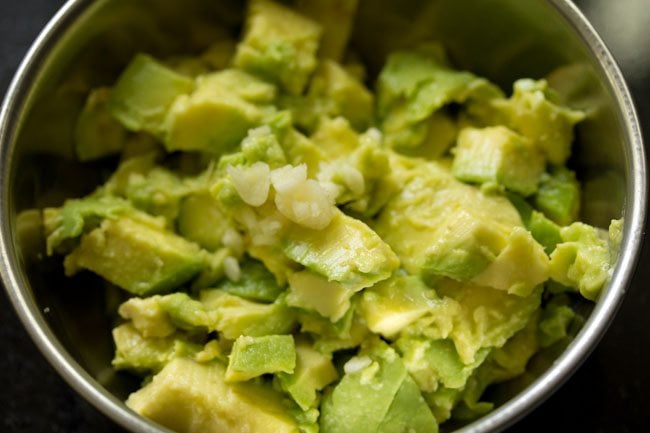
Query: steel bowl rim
{"x": 504, "y": 416}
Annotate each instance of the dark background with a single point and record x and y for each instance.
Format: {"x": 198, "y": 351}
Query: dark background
{"x": 609, "y": 393}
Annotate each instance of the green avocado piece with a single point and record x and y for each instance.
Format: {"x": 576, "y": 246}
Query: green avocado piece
{"x": 558, "y": 196}
{"x": 140, "y": 354}
{"x": 414, "y": 84}
{"x": 217, "y": 115}
{"x": 582, "y": 260}
{"x": 254, "y": 356}
{"x": 144, "y": 94}
{"x": 314, "y": 371}
{"x": 233, "y": 316}
{"x": 158, "y": 192}
{"x": 256, "y": 283}
{"x": 313, "y": 292}
{"x": 186, "y": 396}
{"x": 486, "y": 317}
{"x": 347, "y": 252}
{"x": 77, "y": 216}
{"x": 279, "y": 45}
{"x": 439, "y": 226}
{"x": 545, "y": 231}
{"x": 392, "y": 304}
{"x": 139, "y": 258}
{"x": 373, "y": 394}
{"x": 334, "y": 92}
{"x": 98, "y": 133}
{"x": 533, "y": 112}
{"x": 408, "y": 412}
{"x": 436, "y": 362}
{"x": 498, "y": 155}
{"x": 201, "y": 220}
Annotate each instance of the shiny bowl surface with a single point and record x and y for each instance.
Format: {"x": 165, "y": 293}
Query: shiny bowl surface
{"x": 88, "y": 42}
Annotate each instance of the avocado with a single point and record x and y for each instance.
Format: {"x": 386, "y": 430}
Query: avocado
{"x": 137, "y": 257}
{"x": 582, "y": 260}
{"x": 313, "y": 292}
{"x": 486, "y": 317}
{"x": 347, "y": 252}
{"x": 498, "y": 155}
{"x": 545, "y": 231}
{"x": 254, "y": 356}
{"x": 215, "y": 117}
{"x": 313, "y": 372}
{"x": 376, "y": 394}
{"x": 533, "y": 111}
{"x": 450, "y": 229}
{"x": 234, "y": 316}
{"x": 140, "y": 354}
{"x": 333, "y": 92}
{"x": 279, "y": 45}
{"x": 78, "y": 216}
{"x": 257, "y": 283}
{"x": 414, "y": 84}
{"x": 189, "y": 397}
{"x": 408, "y": 412}
{"x": 555, "y": 321}
{"x": 392, "y": 304}
{"x": 201, "y": 220}
{"x": 144, "y": 94}
{"x": 436, "y": 362}
{"x": 159, "y": 192}
{"x": 558, "y": 196}
{"x": 97, "y": 133}
{"x": 148, "y": 316}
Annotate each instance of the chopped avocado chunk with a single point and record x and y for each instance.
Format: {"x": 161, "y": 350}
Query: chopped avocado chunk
{"x": 217, "y": 115}
{"x": 347, "y": 252}
{"x": 408, "y": 412}
{"x": 256, "y": 283}
{"x": 135, "y": 256}
{"x": 582, "y": 260}
{"x": 235, "y": 316}
{"x": 558, "y": 196}
{"x": 279, "y": 44}
{"x": 77, "y": 216}
{"x": 144, "y": 94}
{"x": 374, "y": 390}
{"x": 313, "y": 372}
{"x": 435, "y": 362}
{"x": 312, "y": 292}
{"x": 500, "y": 156}
{"x": 98, "y": 133}
{"x": 201, "y": 220}
{"x": 440, "y": 227}
{"x": 487, "y": 317}
{"x": 414, "y": 84}
{"x": 254, "y": 356}
{"x": 533, "y": 112}
{"x": 141, "y": 354}
{"x": 190, "y": 397}
{"x": 332, "y": 93}
{"x": 392, "y": 304}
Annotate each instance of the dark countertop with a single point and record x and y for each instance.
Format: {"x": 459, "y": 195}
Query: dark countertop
{"x": 609, "y": 393}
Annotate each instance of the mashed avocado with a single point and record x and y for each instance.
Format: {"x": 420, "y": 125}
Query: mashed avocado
{"x": 305, "y": 250}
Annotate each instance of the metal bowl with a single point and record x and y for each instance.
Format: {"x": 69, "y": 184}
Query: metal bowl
{"x": 88, "y": 42}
